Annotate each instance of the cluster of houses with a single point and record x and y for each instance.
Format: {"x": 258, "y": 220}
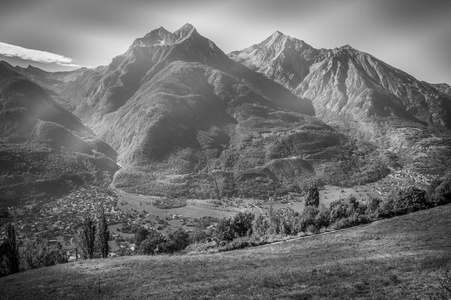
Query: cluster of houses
{"x": 60, "y": 219}
{"x": 401, "y": 179}
{"x": 412, "y": 177}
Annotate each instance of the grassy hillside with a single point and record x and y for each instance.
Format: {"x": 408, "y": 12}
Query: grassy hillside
{"x": 399, "y": 258}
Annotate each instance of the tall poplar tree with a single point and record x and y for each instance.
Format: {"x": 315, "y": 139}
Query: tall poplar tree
{"x": 88, "y": 238}
{"x": 103, "y": 233}
{"x": 9, "y": 250}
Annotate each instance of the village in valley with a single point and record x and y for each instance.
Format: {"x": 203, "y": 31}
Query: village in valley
{"x": 59, "y": 220}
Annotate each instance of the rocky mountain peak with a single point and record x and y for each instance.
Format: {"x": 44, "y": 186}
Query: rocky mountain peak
{"x": 281, "y": 41}
{"x": 163, "y": 37}
{"x": 278, "y": 34}
{"x": 281, "y": 58}
{"x": 184, "y": 32}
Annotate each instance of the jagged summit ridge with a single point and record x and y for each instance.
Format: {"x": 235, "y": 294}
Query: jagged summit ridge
{"x": 121, "y": 79}
{"x": 281, "y": 58}
{"x": 163, "y": 37}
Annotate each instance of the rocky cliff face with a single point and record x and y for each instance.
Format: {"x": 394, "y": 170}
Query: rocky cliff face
{"x": 44, "y": 149}
{"x": 355, "y": 92}
{"x": 444, "y": 88}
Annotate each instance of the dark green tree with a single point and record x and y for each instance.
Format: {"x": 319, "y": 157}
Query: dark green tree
{"x": 261, "y": 225}
{"x": 87, "y": 238}
{"x": 410, "y": 200}
{"x": 103, "y": 233}
{"x": 322, "y": 218}
{"x": 153, "y": 240}
{"x": 440, "y": 191}
{"x": 176, "y": 241}
{"x": 9, "y": 251}
{"x": 242, "y": 223}
{"x": 39, "y": 254}
{"x": 140, "y": 235}
{"x": 224, "y": 231}
{"x": 308, "y": 218}
{"x": 312, "y": 196}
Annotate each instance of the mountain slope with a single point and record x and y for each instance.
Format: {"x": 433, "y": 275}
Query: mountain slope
{"x": 356, "y": 92}
{"x": 186, "y": 120}
{"x": 44, "y": 149}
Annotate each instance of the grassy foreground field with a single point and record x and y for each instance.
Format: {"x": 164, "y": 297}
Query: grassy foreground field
{"x": 399, "y": 258}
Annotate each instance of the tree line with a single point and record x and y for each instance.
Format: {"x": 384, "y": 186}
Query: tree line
{"x": 91, "y": 242}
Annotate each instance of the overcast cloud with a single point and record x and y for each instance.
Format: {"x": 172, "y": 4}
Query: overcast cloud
{"x": 36, "y": 55}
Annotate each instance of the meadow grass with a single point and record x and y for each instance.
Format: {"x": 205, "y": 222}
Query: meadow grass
{"x": 398, "y": 258}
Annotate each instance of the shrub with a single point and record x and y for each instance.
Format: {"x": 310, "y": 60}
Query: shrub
{"x": 243, "y": 242}
{"x": 322, "y": 218}
{"x": 242, "y": 223}
{"x": 152, "y": 241}
{"x": 341, "y": 223}
{"x": 312, "y": 229}
{"x": 308, "y": 218}
{"x": 140, "y": 235}
{"x": 441, "y": 193}
{"x": 387, "y": 208}
{"x": 284, "y": 221}
{"x": 410, "y": 200}
{"x": 224, "y": 230}
{"x": 175, "y": 242}
{"x": 338, "y": 210}
{"x": 198, "y": 236}
{"x": 373, "y": 207}
{"x": 42, "y": 254}
{"x": 261, "y": 225}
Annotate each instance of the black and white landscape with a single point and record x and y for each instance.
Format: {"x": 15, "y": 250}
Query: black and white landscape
{"x": 176, "y": 150}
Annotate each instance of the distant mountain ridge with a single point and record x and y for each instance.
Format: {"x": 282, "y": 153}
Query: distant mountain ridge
{"x": 341, "y": 75}
{"x": 354, "y": 91}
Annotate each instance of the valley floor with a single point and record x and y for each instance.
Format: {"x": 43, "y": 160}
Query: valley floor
{"x": 399, "y": 258}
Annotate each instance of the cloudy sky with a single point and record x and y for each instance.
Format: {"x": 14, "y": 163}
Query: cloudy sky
{"x": 412, "y": 35}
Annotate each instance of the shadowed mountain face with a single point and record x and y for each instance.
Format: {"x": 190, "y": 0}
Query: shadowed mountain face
{"x": 44, "y": 149}
{"x": 355, "y": 92}
{"x": 185, "y": 119}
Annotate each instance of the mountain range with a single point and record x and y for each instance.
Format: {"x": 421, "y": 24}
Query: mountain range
{"x": 185, "y": 119}
{"x": 359, "y": 94}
